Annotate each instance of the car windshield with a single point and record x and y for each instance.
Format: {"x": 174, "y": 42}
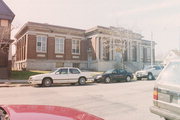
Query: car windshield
{"x": 54, "y": 70}
{"x": 171, "y": 74}
{"x": 109, "y": 71}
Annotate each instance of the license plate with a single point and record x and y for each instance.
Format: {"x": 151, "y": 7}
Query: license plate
{"x": 164, "y": 97}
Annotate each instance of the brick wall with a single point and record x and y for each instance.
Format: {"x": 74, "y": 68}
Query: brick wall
{"x": 50, "y": 54}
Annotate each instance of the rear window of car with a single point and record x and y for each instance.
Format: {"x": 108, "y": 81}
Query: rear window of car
{"x": 74, "y": 71}
{"x": 171, "y": 74}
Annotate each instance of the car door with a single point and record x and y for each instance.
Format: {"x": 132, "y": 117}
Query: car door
{"x": 122, "y": 74}
{"x": 115, "y": 75}
{"x": 74, "y": 75}
{"x": 61, "y": 76}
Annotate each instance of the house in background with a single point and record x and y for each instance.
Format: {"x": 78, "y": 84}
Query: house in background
{"x": 45, "y": 47}
{"x": 6, "y": 18}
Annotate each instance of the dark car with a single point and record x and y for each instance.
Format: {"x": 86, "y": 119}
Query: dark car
{"x": 114, "y": 75}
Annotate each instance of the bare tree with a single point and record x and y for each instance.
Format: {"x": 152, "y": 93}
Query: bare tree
{"x": 118, "y": 45}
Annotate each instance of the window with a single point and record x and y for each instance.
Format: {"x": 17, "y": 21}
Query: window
{"x": 59, "y": 64}
{"x": 77, "y": 65}
{"x": 59, "y": 45}
{"x": 122, "y": 71}
{"x": 75, "y": 46}
{"x": 41, "y": 43}
{"x": 74, "y": 71}
{"x": 4, "y": 23}
{"x": 63, "y": 71}
{"x": 157, "y": 67}
{"x": 170, "y": 75}
{"x": 115, "y": 72}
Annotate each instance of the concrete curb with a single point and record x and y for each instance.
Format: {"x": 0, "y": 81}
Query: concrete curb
{"x": 13, "y": 83}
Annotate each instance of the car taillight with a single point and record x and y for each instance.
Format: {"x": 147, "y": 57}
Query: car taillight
{"x": 155, "y": 94}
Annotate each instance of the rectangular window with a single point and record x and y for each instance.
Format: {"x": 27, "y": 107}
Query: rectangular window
{"x": 41, "y": 43}
{"x": 75, "y": 46}
{"x": 59, "y": 45}
{"x": 77, "y": 65}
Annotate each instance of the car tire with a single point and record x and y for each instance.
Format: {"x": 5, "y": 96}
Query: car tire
{"x": 82, "y": 81}
{"x": 107, "y": 80}
{"x": 128, "y": 78}
{"x": 150, "y": 76}
{"x": 47, "y": 82}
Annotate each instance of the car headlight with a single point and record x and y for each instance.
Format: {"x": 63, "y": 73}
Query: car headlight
{"x": 30, "y": 78}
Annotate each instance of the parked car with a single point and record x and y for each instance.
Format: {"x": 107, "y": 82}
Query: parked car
{"x": 150, "y": 72}
{"x": 61, "y": 75}
{"x": 166, "y": 95}
{"x": 114, "y": 75}
{"x": 42, "y": 112}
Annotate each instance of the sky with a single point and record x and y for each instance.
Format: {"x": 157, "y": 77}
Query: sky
{"x": 159, "y": 17}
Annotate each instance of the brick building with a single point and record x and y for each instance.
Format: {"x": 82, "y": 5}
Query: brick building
{"x": 6, "y": 18}
{"x": 45, "y": 47}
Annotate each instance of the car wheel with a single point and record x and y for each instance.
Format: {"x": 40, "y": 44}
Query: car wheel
{"x": 107, "y": 80}
{"x": 128, "y": 79}
{"x": 47, "y": 82}
{"x": 150, "y": 76}
{"x": 82, "y": 81}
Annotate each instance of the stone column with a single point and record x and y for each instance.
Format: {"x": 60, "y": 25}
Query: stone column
{"x": 112, "y": 42}
{"x": 127, "y": 50}
{"x": 110, "y": 49}
{"x": 97, "y": 39}
{"x": 101, "y": 44}
{"x": 130, "y": 50}
{"x": 138, "y": 52}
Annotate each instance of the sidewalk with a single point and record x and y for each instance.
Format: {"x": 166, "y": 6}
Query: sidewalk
{"x": 13, "y": 83}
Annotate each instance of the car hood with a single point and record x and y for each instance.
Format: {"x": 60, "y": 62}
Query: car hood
{"x": 106, "y": 74}
{"x": 40, "y": 75}
{"x": 43, "y": 112}
{"x": 140, "y": 71}
{"x": 87, "y": 74}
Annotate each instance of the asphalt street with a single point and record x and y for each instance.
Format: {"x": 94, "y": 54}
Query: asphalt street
{"x": 116, "y": 101}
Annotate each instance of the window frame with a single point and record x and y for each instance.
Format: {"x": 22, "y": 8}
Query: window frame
{"x": 73, "y": 69}
{"x": 41, "y": 41}
{"x": 59, "y": 45}
{"x": 60, "y": 70}
{"x": 75, "y": 46}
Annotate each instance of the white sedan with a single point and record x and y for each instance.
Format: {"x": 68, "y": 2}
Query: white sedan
{"x": 61, "y": 75}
